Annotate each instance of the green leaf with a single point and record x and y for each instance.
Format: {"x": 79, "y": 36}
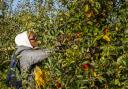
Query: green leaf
{"x": 117, "y": 82}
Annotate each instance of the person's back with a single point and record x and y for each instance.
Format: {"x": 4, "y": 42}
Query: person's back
{"x": 29, "y": 55}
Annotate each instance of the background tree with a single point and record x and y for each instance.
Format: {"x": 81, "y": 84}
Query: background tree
{"x": 93, "y": 35}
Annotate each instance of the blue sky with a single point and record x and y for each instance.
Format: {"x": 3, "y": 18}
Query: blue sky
{"x": 16, "y": 2}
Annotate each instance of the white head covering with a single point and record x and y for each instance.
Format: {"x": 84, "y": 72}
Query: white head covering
{"x": 22, "y": 40}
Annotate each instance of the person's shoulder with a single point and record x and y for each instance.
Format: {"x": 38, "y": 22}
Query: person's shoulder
{"x": 36, "y": 48}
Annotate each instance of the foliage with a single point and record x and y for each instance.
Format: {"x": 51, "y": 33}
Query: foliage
{"x": 93, "y": 35}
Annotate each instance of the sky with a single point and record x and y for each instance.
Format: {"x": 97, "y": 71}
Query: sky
{"x": 16, "y": 2}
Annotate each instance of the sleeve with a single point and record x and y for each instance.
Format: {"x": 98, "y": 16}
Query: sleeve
{"x": 31, "y": 57}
